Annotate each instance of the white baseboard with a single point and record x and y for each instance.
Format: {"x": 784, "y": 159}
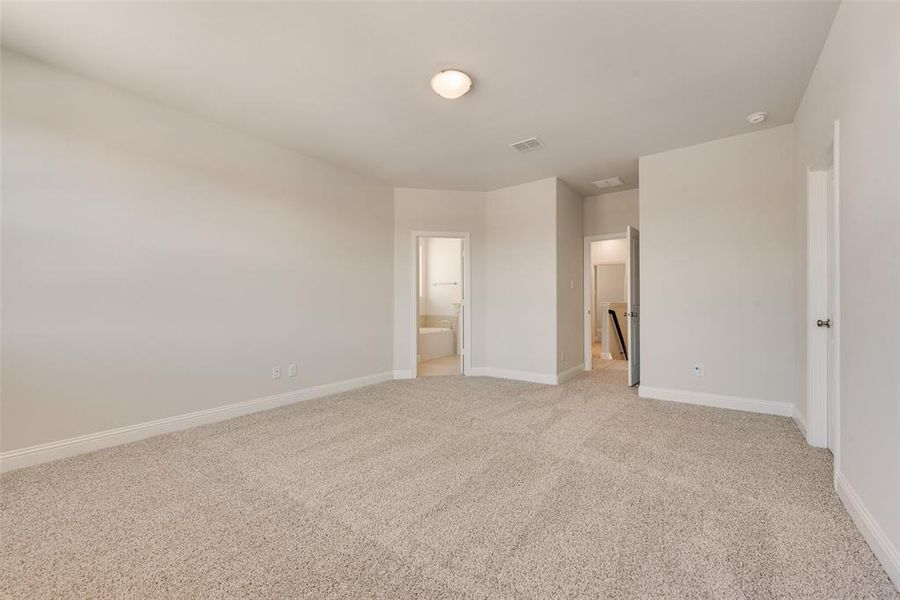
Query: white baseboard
{"x": 882, "y": 547}
{"x": 570, "y": 374}
{"x": 767, "y": 407}
{"x": 527, "y": 375}
{"x": 403, "y": 374}
{"x": 510, "y": 374}
{"x": 799, "y": 419}
{"x": 33, "y": 455}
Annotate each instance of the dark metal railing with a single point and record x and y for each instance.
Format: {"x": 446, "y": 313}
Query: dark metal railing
{"x": 615, "y": 321}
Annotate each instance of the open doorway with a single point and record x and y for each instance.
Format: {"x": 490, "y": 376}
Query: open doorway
{"x": 608, "y": 283}
{"x": 611, "y": 326}
{"x": 440, "y": 337}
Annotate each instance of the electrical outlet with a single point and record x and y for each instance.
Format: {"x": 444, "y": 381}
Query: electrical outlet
{"x": 292, "y": 370}
{"x": 276, "y": 372}
{"x": 564, "y": 356}
{"x": 698, "y": 370}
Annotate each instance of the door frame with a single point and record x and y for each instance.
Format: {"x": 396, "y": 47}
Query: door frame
{"x": 413, "y": 318}
{"x": 817, "y": 415}
{"x": 586, "y": 301}
{"x": 634, "y": 308}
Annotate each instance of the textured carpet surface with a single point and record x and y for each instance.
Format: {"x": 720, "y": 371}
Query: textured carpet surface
{"x": 445, "y": 487}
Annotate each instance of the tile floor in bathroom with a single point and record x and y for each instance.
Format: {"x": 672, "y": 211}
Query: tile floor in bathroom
{"x": 446, "y": 365}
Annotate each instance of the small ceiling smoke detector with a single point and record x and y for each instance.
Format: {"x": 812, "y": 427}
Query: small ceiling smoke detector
{"x": 527, "y": 145}
{"x": 451, "y": 84}
{"x": 757, "y": 117}
{"x": 609, "y": 182}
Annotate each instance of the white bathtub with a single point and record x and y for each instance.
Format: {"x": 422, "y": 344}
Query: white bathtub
{"x": 435, "y": 342}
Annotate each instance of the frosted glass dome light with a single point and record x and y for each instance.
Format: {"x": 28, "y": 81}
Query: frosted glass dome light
{"x": 451, "y": 84}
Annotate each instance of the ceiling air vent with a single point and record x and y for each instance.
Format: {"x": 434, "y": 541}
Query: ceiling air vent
{"x": 527, "y": 145}
{"x": 609, "y": 182}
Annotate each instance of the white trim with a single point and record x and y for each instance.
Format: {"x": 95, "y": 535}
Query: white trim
{"x": 768, "y": 407}
{"x": 835, "y": 418}
{"x": 877, "y": 539}
{"x": 516, "y": 375}
{"x": 799, "y": 420}
{"x": 588, "y": 359}
{"x": 403, "y": 374}
{"x": 466, "y": 303}
{"x": 570, "y": 374}
{"x": 606, "y": 236}
{"x": 41, "y": 453}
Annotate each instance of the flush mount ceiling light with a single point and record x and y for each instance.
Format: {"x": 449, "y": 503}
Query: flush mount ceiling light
{"x": 757, "y": 117}
{"x": 451, "y": 84}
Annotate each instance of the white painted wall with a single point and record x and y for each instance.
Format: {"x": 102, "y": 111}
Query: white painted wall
{"x": 569, "y": 277}
{"x": 526, "y": 247}
{"x": 611, "y": 213}
{"x": 857, "y": 80}
{"x": 442, "y": 257}
{"x": 521, "y": 278}
{"x": 609, "y": 251}
{"x": 156, "y": 264}
{"x": 716, "y": 287}
{"x": 610, "y": 282}
{"x": 437, "y": 210}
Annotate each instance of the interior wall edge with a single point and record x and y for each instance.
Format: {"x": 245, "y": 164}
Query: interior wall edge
{"x": 799, "y": 419}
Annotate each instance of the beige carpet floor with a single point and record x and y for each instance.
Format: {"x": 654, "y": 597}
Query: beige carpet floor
{"x": 447, "y": 487}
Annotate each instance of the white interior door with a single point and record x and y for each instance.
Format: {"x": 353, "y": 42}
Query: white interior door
{"x": 461, "y": 320}
{"x": 634, "y": 306}
{"x": 820, "y": 298}
{"x": 831, "y": 312}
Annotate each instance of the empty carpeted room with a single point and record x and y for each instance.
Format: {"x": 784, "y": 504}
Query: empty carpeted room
{"x": 450, "y": 299}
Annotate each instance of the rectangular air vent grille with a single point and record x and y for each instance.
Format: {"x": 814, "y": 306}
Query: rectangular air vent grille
{"x": 609, "y": 182}
{"x": 528, "y": 145}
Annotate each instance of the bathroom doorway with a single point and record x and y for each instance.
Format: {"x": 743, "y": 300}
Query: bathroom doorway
{"x": 440, "y": 339}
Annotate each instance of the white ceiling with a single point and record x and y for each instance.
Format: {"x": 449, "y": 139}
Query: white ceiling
{"x": 599, "y": 83}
